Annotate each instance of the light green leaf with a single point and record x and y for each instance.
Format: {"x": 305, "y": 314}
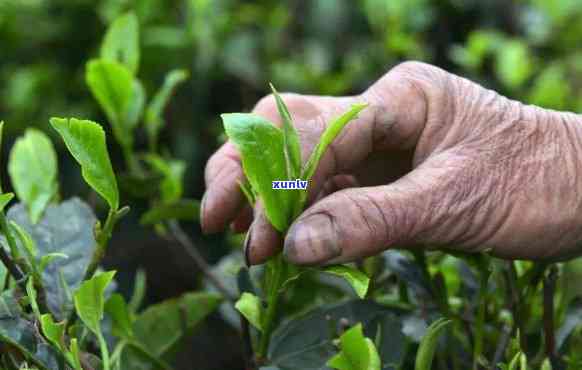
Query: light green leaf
{"x": 328, "y": 136}
{"x": 113, "y": 86}
{"x": 250, "y": 306}
{"x": 290, "y": 139}
{"x": 32, "y": 166}
{"x": 26, "y": 241}
{"x": 54, "y": 332}
{"x": 546, "y": 365}
{"x": 428, "y": 344}
{"x": 154, "y": 112}
{"x": 74, "y": 357}
{"x": 117, "y": 308}
{"x": 5, "y": 199}
{"x": 172, "y": 171}
{"x": 31, "y": 293}
{"x": 357, "y": 352}
{"x": 1, "y": 136}
{"x": 247, "y": 192}
{"x": 89, "y": 300}
{"x": 357, "y": 279}
{"x": 48, "y": 258}
{"x": 183, "y": 209}
{"x": 86, "y": 142}
{"x": 121, "y": 42}
{"x": 513, "y": 65}
{"x": 135, "y": 108}
{"x": 139, "y": 291}
{"x": 262, "y": 149}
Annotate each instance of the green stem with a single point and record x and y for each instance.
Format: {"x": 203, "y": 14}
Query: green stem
{"x": 102, "y": 241}
{"x": 480, "y": 323}
{"x": 9, "y": 237}
{"x": 104, "y": 351}
{"x": 277, "y": 266}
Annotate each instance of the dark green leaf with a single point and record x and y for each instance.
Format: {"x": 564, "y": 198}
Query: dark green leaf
{"x": 33, "y": 170}
{"x": 290, "y": 139}
{"x": 119, "y": 312}
{"x": 171, "y": 320}
{"x": 24, "y": 336}
{"x": 306, "y": 342}
{"x": 428, "y": 345}
{"x": 154, "y": 112}
{"x": 90, "y": 300}
{"x": 121, "y": 42}
{"x": 250, "y": 306}
{"x": 183, "y": 209}
{"x": 86, "y": 142}
{"x": 357, "y": 279}
{"x": 257, "y": 140}
{"x": 67, "y": 228}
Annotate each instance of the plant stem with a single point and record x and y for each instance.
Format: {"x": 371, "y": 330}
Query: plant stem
{"x": 548, "y": 315}
{"x": 480, "y": 322}
{"x": 11, "y": 266}
{"x": 102, "y": 241}
{"x": 193, "y": 252}
{"x": 104, "y": 351}
{"x": 277, "y": 266}
{"x": 9, "y": 237}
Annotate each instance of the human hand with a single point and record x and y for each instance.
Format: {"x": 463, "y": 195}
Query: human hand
{"x": 434, "y": 160}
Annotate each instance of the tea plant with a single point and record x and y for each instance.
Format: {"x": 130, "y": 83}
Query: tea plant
{"x": 59, "y": 310}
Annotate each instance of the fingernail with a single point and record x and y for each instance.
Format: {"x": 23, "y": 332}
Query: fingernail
{"x": 312, "y": 241}
{"x": 203, "y": 225}
{"x": 247, "y": 247}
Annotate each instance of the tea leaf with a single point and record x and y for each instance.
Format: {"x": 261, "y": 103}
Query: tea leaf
{"x": 73, "y": 355}
{"x": 183, "y": 209}
{"x": 357, "y": 279}
{"x": 290, "y": 139}
{"x": 54, "y": 332}
{"x": 262, "y": 149}
{"x": 5, "y": 199}
{"x": 135, "y": 108}
{"x": 86, "y": 142}
{"x": 172, "y": 171}
{"x": 121, "y": 42}
{"x": 249, "y": 305}
{"x": 154, "y": 112}
{"x": 139, "y": 291}
{"x": 428, "y": 345}
{"x": 119, "y": 312}
{"x": 357, "y": 352}
{"x": 328, "y": 136}
{"x": 31, "y": 293}
{"x": 89, "y": 300}
{"x": 32, "y": 166}
{"x": 113, "y": 86}
{"x": 48, "y": 258}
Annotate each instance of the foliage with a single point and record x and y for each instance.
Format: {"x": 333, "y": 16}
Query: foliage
{"x": 58, "y": 232}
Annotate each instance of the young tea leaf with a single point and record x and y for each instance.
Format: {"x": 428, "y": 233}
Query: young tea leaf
{"x": 121, "y": 42}
{"x": 357, "y": 352}
{"x": 328, "y": 136}
{"x": 183, "y": 209}
{"x": 5, "y": 199}
{"x": 290, "y": 139}
{"x": 172, "y": 171}
{"x": 428, "y": 345}
{"x": 74, "y": 356}
{"x": 262, "y": 149}
{"x": 32, "y": 166}
{"x": 249, "y": 305}
{"x": 90, "y": 302}
{"x": 357, "y": 279}
{"x": 113, "y": 86}
{"x": 86, "y": 142}
{"x": 154, "y": 111}
{"x": 31, "y": 292}
{"x": 139, "y": 291}
{"x": 54, "y": 332}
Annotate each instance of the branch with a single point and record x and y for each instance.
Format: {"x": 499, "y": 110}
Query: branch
{"x": 193, "y": 252}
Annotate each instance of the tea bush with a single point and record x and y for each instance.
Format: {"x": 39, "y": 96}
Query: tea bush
{"x": 61, "y": 309}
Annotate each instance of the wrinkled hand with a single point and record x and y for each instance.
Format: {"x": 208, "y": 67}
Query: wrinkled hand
{"x": 434, "y": 160}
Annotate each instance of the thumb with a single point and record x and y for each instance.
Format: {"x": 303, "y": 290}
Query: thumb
{"x": 426, "y": 205}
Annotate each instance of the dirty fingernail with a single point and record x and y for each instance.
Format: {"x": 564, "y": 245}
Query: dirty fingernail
{"x": 311, "y": 241}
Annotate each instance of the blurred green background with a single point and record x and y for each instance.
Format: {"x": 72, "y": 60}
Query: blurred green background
{"x": 529, "y": 50}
